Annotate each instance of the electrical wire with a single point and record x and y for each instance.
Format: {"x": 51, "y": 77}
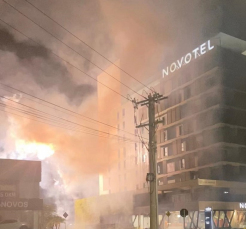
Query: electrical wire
{"x": 66, "y": 61}
{"x": 65, "y": 120}
{"x": 87, "y": 45}
{"x": 72, "y": 48}
{"x": 60, "y": 126}
{"x": 65, "y": 109}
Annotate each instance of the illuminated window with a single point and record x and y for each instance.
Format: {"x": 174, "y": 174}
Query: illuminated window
{"x": 183, "y": 146}
{"x": 170, "y": 180}
{"x": 160, "y": 181}
{"x": 164, "y": 151}
{"x": 182, "y": 163}
{"x": 163, "y": 135}
{"x": 144, "y": 158}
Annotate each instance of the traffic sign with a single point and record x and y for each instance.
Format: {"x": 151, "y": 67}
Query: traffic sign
{"x": 168, "y": 213}
{"x": 183, "y": 212}
{"x": 65, "y": 215}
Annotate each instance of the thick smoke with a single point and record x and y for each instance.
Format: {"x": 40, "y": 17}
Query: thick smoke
{"x": 45, "y": 70}
{"x": 144, "y": 35}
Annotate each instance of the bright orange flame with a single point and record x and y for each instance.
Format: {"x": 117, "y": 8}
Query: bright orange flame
{"x": 31, "y": 149}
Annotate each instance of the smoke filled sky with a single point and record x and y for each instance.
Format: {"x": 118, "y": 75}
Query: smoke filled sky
{"x": 142, "y": 34}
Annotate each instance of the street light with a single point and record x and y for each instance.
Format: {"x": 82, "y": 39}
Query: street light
{"x": 150, "y": 177}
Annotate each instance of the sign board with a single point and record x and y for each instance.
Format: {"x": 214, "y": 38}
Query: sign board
{"x": 8, "y": 194}
{"x": 65, "y": 215}
{"x": 184, "y": 60}
{"x": 20, "y": 204}
{"x": 7, "y": 187}
{"x": 168, "y": 213}
{"x": 206, "y": 182}
{"x": 208, "y": 218}
{"x": 183, "y": 212}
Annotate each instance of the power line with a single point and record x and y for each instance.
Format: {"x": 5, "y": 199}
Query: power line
{"x": 87, "y": 45}
{"x": 73, "y": 112}
{"x": 68, "y": 121}
{"x": 55, "y": 121}
{"x": 71, "y": 48}
{"x": 65, "y": 60}
{"x": 50, "y": 124}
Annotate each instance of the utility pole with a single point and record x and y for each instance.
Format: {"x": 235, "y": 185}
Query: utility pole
{"x": 152, "y": 175}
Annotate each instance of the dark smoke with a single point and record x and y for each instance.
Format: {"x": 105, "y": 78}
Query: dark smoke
{"x": 45, "y": 70}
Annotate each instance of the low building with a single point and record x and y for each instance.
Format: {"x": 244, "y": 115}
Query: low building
{"x": 19, "y": 191}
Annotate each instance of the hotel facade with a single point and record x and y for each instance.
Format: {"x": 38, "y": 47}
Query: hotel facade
{"x": 201, "y": 145}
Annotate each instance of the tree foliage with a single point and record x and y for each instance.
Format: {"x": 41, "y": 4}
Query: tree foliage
{"x": 50, "y": 218}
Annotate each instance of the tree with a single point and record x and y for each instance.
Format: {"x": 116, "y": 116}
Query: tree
{"x": 50, "y": 218}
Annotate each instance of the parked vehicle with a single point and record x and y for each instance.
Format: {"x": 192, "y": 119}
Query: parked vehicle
{"x": 12, "y": 224}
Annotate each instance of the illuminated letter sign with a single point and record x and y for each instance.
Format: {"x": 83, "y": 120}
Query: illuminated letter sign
{"x": 201, "y": 50}
{"x": 242, "y": 205}
{"x": 20, "y": 204}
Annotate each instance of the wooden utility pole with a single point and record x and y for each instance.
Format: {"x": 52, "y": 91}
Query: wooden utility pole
{"x": 152, "y": 175}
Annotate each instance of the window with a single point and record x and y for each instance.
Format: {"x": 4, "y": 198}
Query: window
{"x": 136, "y": 132}
{"x": 124, "y": 164}
{"x": 123, "y": 112}
{"x": 136, "y": 160}
{"x": 124, "y": 177}
{"x": 160, "y": 181}
{"x": 118, "y": 115}
{"x": 179, "y": 130}
{"x": 144, "y": 158}
{"x": 119, "y": 154}
{"x": 170, "y": 180}
{"x": 158, "y": 169}
{"x": 193, "y": 175}
{"x": 164, "y": 119}
{"x": 164, "y": 151}
{"x": 181, "y": 96}
{"x": 124, "y": 152}
{"x": 119, "y": 165}
{"x": 136, "y": 146}
{"x": 170, "y": 167}
{"x": 183, "y": 146}
{"x": 163, "y": 135}
{"x": 182, "y": 163}
{"x": 123, "y": 124}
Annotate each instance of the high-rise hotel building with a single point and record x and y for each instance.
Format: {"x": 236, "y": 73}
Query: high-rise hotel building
{"x": 201, "y": 145}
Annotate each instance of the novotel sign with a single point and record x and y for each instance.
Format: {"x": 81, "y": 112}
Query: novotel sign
{"x": 199, "y": 51}
{"x": 242, "y": 205}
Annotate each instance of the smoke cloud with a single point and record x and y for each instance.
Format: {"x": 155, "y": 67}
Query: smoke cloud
{"x": 144, "y": 35}
{"x": 47, "y": 72}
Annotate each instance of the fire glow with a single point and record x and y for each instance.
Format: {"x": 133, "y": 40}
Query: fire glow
{"x": 34, "y": 149}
